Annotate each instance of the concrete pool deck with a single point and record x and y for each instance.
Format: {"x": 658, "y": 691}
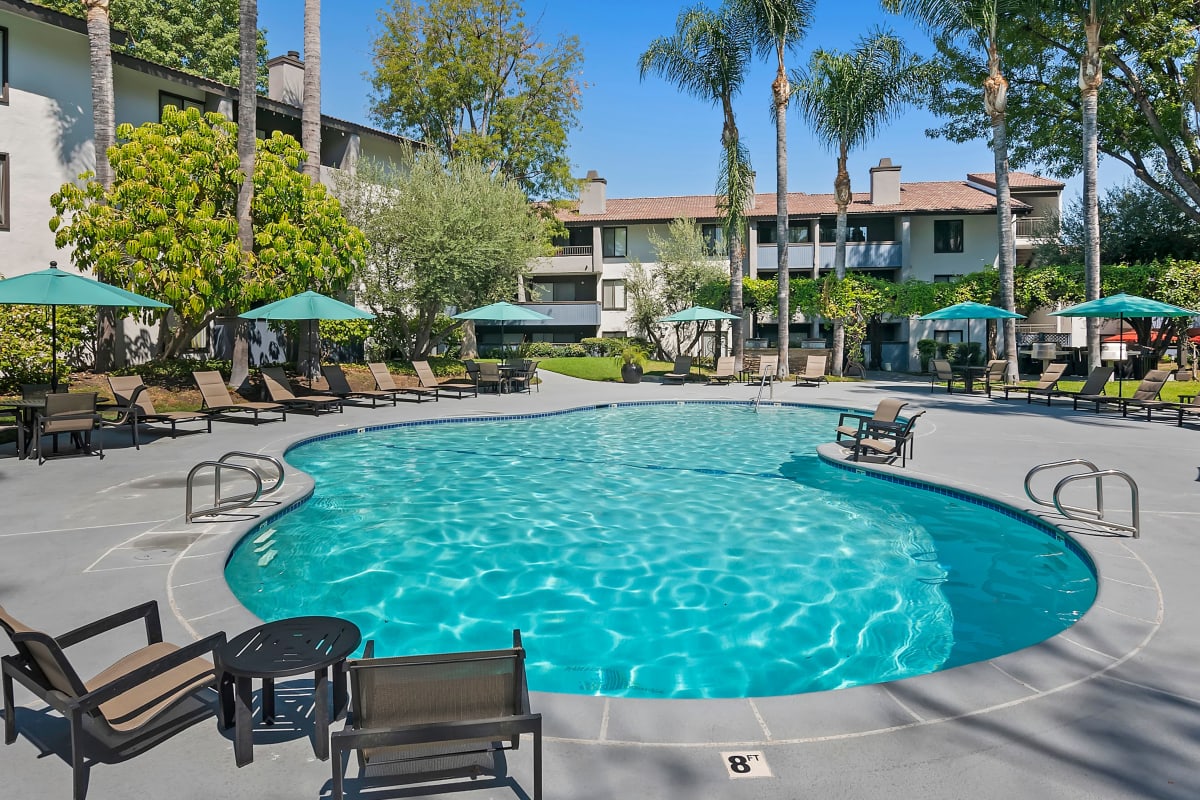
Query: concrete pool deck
{"x": 1108, "y": 709}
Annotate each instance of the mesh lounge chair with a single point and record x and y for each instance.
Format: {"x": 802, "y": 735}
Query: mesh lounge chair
{"x": 68, "y": 413}
{"x": 422, "y": 718}
{"x": 280, "y": 391}
{"x": 887, "y": 411}
{"x": 1189, "y": 409}
{"x": 133, "y": 405}
{"x": 124, "y": 700}
{"x": 1146, "y": 395}
{"x": 679, "y": 373}
{"x": 216, "y": 399}
{"x": 1093, "y": 387}
{"x": 340, "y": 387}
{"x": 724, "y": 372}
{"x": 994, "y": 374}
{"x": 385, "y": 383}
{"x": 1046, "y": 386}
{"x": 429, "y": 381}
{"x": 768, "y": 366}
{"x": 886, "y": 440}
{"x": 942, "y": 371}
{"x": 814, "y": 372}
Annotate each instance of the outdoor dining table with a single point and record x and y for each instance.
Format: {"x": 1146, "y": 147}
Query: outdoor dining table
{"x": 969, "y": 374}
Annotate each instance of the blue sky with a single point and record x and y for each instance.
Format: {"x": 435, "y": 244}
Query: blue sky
{"x": 646, "y": 138}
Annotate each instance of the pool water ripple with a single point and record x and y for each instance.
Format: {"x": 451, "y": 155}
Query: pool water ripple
{"x": 655, "y": 551}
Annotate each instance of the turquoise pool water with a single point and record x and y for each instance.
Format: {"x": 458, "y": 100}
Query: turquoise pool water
{"x": 666, "y": 550}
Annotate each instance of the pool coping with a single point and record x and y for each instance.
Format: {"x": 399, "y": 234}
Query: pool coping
{"x": 1098, "y": 643}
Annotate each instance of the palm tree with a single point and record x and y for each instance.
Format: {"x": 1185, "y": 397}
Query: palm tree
{"x": 310, "y": 118}
{"x": 776, "y": 26}
{"x": 981, "y": 20}
{"x": 847, "y": 98}
{"x": 707, "y": 57}
{"x": 104, "y": 135}
{"x": 247, "y": 122}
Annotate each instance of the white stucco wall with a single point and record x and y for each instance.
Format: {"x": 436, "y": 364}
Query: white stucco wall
{"x": 980, "y": 246}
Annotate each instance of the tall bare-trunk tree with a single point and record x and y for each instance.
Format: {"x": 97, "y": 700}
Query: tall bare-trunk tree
{"x": 247, "y": 123}
{"x": 310, "y": 118}
{"x": 104, "y": 134}
{"x": 777, "y": 26}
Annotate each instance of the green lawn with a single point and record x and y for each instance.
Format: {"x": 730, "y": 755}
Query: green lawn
{"x": 1170, "y": 393}
{"x": 597, "y": 369}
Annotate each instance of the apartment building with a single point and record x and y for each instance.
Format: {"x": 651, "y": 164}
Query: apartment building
{"x": 928, "y": 230}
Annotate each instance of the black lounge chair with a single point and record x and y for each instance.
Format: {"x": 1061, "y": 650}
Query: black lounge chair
{"x": 1047, "y": 385}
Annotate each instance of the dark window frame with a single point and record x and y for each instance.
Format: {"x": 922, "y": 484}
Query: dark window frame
{"x": 714, "y": 238}
{"x": 3, "y": 66}
{"x": 605, "y": 284}
{"x": 608, "y": 242}
{"x": 166, "y": 98}
{"x": 945, "y": 241}
{"x": 5, "y": 182}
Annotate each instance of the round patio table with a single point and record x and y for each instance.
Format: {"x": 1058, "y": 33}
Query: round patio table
{"x": 282, "y": 649}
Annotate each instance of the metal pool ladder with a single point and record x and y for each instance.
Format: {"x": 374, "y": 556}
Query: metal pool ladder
{"x": 222, "y": 504}
{"x": 765, "y": 381}
{"x": 1095, "y": 515}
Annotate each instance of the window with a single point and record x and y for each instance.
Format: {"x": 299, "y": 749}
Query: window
{"x": 954, "y": 336}
{"x": 574, "y": 237}
{"x": 946, "y": 278}
{"x": 797, "y": 232}
{"x": 613, "y": 334}
{"x": 179, "y": 101}
{"x": 4, "y": 222}
{"x": 714, "y": 239}
{"x": 3, "y": 66}
{"x": 541, "y": 291}
{"x": 860, "y": 229}
{"x": 613, "y": 241}
{"x": 948, "y": 236}
{"x": 613, "y": 294}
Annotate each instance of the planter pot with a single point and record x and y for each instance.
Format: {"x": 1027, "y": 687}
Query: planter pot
{"x": 631, "y": 373}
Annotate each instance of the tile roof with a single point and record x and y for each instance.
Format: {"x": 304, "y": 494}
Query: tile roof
{"x": 1016, "y": 180}
{"x": 928, "y": 197}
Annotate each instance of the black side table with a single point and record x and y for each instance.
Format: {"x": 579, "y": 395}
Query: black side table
{"x": 282, "y": 649}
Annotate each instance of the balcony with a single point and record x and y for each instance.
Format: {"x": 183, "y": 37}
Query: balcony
{"x": 566, "y": 261}
{"x": 1029, "y": 227}
{"x": 800, "y": 256}
{"x": 574, "y": 314}
{"x": 866, "y": 255}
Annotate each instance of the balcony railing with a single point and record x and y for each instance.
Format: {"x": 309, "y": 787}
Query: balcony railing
{"x": 574, "y": 250}
{"x": 1028, "y": 227}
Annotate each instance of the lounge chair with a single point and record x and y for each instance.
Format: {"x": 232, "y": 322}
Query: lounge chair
{"x": 1146, "y": 395}
{"x": 1092, "y": 387}
{"x": 123, "y": 700}
{"x": 339, "y": 386}
{"x": 942, "y": 371}
{"x": 680, "y": 371}
{"x": 432, "y": 717}
{"x": 1047, "y": 385}
{"x": 384, "y": 382}
{"x": 886, "y": 440}
{"x": 490, "y": 375}
{"x": 994, "y": 374}
{"x": 216, "y": 400}
{"x": 280, "y": 391}
{"x": 429, "y": 381}
{"x": 131, "y": 401}
{"x": 1191, "y": 408}
{"x": 814, "y": 372}
{"x": 768, "y": 366}
{"x": 724, "y": 372}
{"x": 73, "y": 413}
{"x": 887, "y": 410}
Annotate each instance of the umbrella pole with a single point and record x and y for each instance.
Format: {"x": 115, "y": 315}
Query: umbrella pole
{"x": 1125, "y": 352}
{"x": 54, "y": 351}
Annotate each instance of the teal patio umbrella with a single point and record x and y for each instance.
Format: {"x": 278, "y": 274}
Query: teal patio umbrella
{"x": 502, "y": 312}
{"x": 1120, "y": 306}
{"x": 307, "y": 306}
{"x": 970, "y": 310}
{"x": 53, "y": 287}
{"x": 699, "y": 314}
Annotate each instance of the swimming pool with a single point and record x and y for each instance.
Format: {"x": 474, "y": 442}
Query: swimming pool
{"x": 656, "y": 550}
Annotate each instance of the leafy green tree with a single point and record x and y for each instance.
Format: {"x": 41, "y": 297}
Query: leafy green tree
{"x": 684, "y": 270}
{"x": 25, "y": 343}
{"x": 441, "y": 233}
{"x": 848, "y": 98}
{"x": 196, "y": 36}
{"x": 168, "y": 227}
{"x": 972, "y": 26}
{"x": 469, "y": 78}
{"x": 708, "y": 57}
{"x": 777, "y": 26}
{"x": 645, "y": 305}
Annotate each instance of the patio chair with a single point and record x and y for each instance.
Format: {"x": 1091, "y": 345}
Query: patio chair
{"x": 522, "y": 375}
{"x": 814, "y": 372}
{"x": 1092, "y": 387}
{"x": 131, "y": 401}
{"x": 994, "y": 373}
{"x": 887, "y": 410}
{"x": 768, "y": 366}
{"x": 724, "y": 372}
{"x": 888, "y": 441}
{"x": 339, "y": 386}
{"x": 129, "y": 700}
{"x": 1047, "y": 385}
{"x": 490, "y": 375}
{"x": 1146, "y": 395}
{"x": 216, "y": 400}
{"x": 429, "y": 381}
{"x": 942, "y": 371}
{"x": 1190, "y": 408}
{"x": 68, "y": 413}
{"x": 385, "y": 383}
{"x": 680, "y": 371}
{"x": 432, "y": 717}
{"x": 1096, "y": 396}
{"x": 280, "y": 391}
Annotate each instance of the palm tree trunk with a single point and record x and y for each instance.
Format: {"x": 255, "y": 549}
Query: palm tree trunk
{"x": 247, "y": 122}
{"x": 1090, "y": 77}
{"x": 995, "y": 99}
{"x": 781, "y": 90}
{"x": 310, "y": 124}
{"x": 104, "y": 135}
{"x": 842, "y": 196}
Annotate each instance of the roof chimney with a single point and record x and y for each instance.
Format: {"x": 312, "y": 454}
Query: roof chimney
{"x": 593, "y": 194}
{"x": 885, "y": 184}
{"x": 285, "y": 79}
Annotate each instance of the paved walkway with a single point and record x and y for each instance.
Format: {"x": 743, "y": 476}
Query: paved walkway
{"x": 1108, "y": 709}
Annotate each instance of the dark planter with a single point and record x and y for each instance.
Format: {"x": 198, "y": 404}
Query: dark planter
{"x": 631, "y": 373}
